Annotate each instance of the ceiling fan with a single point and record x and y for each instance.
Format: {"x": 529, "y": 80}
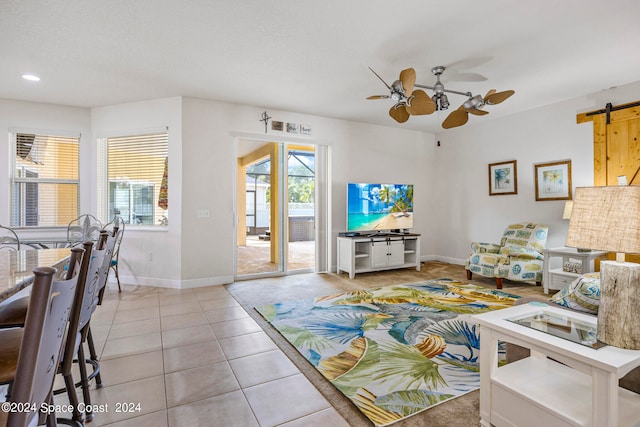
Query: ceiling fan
{"x": 408, "y": 101}
{"x": 417, "y": 102}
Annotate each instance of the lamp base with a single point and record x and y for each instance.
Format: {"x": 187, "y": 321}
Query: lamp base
{"x": 618, "y": 320}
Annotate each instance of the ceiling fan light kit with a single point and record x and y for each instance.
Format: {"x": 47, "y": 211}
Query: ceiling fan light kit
{"x": 410, "y": 102}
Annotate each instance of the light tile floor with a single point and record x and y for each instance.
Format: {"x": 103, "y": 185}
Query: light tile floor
{"x": 173, "y": 358}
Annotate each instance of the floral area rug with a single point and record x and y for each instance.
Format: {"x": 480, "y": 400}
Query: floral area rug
{"x": 394, "y": 351}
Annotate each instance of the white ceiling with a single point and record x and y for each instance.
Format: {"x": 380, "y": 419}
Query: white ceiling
{"x": 311, "y": 56}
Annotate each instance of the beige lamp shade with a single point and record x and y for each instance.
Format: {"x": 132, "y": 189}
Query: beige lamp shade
{"x": 606, "y": 218}
{"x": 568, "y": 207}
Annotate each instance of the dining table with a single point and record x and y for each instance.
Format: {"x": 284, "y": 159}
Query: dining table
{"x": 16, "y": 267}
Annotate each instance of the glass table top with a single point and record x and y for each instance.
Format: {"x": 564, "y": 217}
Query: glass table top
{"x": 562, "y": 326}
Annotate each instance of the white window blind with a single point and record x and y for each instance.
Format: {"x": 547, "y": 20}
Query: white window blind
{"x": 44, "y": 182}
{"x": 135, "y": 182}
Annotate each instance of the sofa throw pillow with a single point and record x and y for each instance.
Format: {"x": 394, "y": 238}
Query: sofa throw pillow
{"x": 583, "y": 294}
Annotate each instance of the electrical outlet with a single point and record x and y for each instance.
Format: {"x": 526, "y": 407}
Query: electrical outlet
{"x": 204, "y": 213}
{"x": 149, "y": 256}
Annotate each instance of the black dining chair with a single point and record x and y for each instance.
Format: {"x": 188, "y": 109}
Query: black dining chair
{"x": 79, "y": 326}
{"x": 113, "y": 236}
{"x": 36, "y": 348}
{"x": 116, "y": 223}
{"x": 93, "y": 279}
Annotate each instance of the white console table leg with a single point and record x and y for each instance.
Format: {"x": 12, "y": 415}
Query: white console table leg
{"x": 605, "y": 398}
{"x": 489, "y": 358}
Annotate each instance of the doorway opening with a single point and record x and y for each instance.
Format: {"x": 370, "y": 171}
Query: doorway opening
{"x": 276, "y": 209}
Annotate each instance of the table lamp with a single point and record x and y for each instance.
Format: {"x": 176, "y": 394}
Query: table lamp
{"x": 566, "y": 214}
{"x": 608, "y": 219}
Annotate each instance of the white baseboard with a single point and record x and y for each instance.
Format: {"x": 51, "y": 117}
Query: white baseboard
{"x": 448, "y": 260}
{"x": 225, "y": 280}
{"x": 171, "y": 283}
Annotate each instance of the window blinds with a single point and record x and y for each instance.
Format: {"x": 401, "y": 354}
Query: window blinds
{"x": 137, "y": 177}
{"x": 45, "y": 183}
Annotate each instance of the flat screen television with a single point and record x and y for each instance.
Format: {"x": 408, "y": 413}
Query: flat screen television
{"x": 379, "y": 207}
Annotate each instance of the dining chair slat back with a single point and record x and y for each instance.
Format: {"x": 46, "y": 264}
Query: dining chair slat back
{"x": 82, "y": 229}
{"x": 42, "y": 341}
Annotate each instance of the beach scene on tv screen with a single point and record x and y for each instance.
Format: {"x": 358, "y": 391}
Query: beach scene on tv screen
{"x": 379, "y": 206}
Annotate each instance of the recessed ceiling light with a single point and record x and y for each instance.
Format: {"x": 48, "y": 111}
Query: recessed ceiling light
{"x": 31, "y": 77}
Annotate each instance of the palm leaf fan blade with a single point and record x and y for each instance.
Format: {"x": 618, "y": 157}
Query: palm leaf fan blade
{"x": 455, "y": 119}
{"x": 420, "y": 104}
{"x": 408, "y": 79}
{"x": 477, "y": 112}
{"x": 497, "y": 97}
{"x": 378, "y": 97}
{"x": 399, "y": 113}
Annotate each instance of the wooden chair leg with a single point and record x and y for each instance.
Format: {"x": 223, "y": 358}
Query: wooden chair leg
{"x": 499, "y": 282}
{"x": 469, "y": 274}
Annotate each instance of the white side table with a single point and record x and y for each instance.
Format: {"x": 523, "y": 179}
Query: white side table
{"x": 557, "y": 278}
{"x": 562, "y": 383}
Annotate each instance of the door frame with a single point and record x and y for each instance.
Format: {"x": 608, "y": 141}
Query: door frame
{"x": 322, "y": 202}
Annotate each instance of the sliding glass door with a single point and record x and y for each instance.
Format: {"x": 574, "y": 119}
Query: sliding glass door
{"x": 276, "y": 231}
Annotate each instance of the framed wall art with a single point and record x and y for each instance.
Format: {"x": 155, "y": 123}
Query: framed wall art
{"x": 553, "y": 180}
{"x": 503, "y": 178}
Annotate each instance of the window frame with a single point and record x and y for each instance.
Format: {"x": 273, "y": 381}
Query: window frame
{"x": 103, "y": 182}
{"x": 14, "y": 179}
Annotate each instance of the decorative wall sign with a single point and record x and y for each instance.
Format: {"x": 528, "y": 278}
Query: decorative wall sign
{"x": 503, "y": 178}
{"x": 305, "y": 129}
{"x": 292, "y": 128}
{"x": 553, "y": 180}
{"x": 277, "y": 125}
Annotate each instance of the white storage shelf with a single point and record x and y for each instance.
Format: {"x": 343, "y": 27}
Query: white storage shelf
{"x": 365, "y": 254}
{"x": 555, "y": 278}
{"x": 539, "y": 391}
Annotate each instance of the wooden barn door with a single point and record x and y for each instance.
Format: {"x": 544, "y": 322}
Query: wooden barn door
{"x": 616, "y": 146}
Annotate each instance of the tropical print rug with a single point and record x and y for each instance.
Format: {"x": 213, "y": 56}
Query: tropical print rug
{"x": 394, "y": 351}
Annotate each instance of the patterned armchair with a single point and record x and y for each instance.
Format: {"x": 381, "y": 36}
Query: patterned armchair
{"x": 519, "y": 256}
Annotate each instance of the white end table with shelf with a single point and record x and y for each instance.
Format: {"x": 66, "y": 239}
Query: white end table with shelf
{"x": 579, "y": 387}
{"x": 555, "y": 277}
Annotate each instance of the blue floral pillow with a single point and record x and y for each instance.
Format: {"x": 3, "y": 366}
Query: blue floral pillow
{"x": 583, "y": 294}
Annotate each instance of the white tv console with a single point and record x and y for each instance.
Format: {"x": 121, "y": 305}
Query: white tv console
{"x": 361, "y": 254}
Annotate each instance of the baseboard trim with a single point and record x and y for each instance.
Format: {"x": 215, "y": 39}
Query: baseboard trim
{"x": 171, "y": 283}
{"x": 448, "y": 260}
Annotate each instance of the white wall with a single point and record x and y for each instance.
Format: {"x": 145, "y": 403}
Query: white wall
{"x": 359, "y": 152}
{"x": 467, "y": 213}
{"x": 194, "y": 251}
{"x": 162, "y": 244}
